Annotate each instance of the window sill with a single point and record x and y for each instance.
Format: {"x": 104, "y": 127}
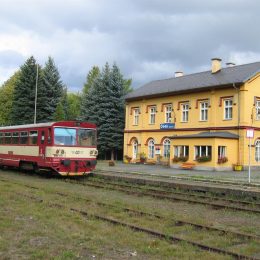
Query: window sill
{"x": 184, "y": 122}
{"x": 203, "y": 121}
{"x": 227, "y": 119}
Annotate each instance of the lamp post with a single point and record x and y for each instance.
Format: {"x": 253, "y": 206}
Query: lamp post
{"x": 36, "y": 90}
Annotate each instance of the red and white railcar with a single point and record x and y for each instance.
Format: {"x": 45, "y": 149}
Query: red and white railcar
{"x": 67, "y": 148}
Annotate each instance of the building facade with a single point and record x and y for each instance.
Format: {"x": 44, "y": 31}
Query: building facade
{"x": 200, "y": 118}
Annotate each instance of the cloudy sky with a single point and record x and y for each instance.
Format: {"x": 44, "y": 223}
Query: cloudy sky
{"x": 148, "y": 39}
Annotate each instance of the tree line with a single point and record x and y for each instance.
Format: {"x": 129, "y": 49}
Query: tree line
{"x": 100, "y": 101}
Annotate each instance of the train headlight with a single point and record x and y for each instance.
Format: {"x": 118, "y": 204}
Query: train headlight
{"x": 57, "y": 151}
{"x": 96, "y": 152}
{"x": 92, "y": 152}
{"x": 62, "y": 151}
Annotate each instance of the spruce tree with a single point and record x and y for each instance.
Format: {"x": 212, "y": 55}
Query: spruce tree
{"x": 24, "y": 93}
{"x": 104, "y": 106}
{"x": 54, "y": 89}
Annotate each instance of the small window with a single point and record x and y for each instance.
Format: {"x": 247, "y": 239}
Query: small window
{"x": 257, "y": 109}
{"x": 33, "y": 137}
{"x": 152, "y": 115}
{"x": 166, "y": 148}
{"x": 257, "y": 151}
{"x": 168, "y": 113}
{"x": 204, "y": 111}
{"x": 185, "y": 112}
{"x": 43, "y": 137}
{"x": 24, "y": 138}
{"x": 228, "y": 109}
{"x": 181, "y": 151}
{"x": 136, "y": 116}
{"x": 1, "y": 138}
{"x": 151, "y": 149}
{"x": 49, "y": 135}
{"x": 8, "y": 138}
{"x": 15, "y": 138}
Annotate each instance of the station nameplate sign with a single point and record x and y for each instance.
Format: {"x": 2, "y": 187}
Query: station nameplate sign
{"x": 167, "y": 126}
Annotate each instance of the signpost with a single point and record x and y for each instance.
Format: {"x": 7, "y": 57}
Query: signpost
{"x": 250, "y": 135}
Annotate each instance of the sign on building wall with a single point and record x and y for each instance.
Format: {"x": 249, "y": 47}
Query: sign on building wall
{"x": 167, "y": 126}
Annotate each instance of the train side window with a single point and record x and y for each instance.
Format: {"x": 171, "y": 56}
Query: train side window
{"x": 8, "y": 138}
{"x": 49, "y": 135}
{"x": 1, "y": 138}
{"x": 43, "y": 137}
{"x": 15, "y": 138}
{"x": 24, "y": 138}
{"x": 33, "y": 137}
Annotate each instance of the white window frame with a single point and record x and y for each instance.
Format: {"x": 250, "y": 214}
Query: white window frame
{"x": 136, "y": 116}
{"x": 179, "y": 148}
{"x": 222, "y": 151}
{"x": 257, "y": 151}
{"x": 166, "y": 148}
{"x": 151, "y": 149}
{"x": 228, "y": 109}
{"x": 257, "y": 109}
{"x": 152, "y": 115}
{"x": 168, "y": 113}
{"x": 204, "y": 107}
{"x": 135, "y": 149}
{"x": 185, "y": 112}
{"x": 198, "y": 148}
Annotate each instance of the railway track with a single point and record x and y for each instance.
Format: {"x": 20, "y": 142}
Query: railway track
{"x": 181, "y": 178}
{"x": 146, "y": 230}
{"x": 138, "y": 228}
{"x": 253, "y": 207}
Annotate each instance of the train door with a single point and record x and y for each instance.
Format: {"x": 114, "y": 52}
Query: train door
{"x": 42, "y": 144}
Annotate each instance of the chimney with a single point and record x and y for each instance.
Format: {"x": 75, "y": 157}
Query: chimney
{"x": 215, "y": 65}
{"x": 230, "y": 64}
{"x": 178, "y": 74}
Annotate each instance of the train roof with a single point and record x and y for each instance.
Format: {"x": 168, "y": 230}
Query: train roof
{"x": 51, "y": 124}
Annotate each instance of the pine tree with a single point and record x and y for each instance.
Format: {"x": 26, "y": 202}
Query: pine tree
{"x": 24, "y": 93}
{"x": 92, "y": 75}
{"x": 54, "y": 89}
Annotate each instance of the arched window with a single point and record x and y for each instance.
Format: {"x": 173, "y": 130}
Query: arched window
{"x": 135, "y": 149}
{"x": 166, "y": 148}
{"x": 151, "y": 149}
{"x": 257, "y": 150}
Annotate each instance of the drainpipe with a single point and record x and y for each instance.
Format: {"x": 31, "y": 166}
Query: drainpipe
{"x": 238, "y": 121}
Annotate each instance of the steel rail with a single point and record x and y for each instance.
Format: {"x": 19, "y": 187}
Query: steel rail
{"x": 142, "y": 213}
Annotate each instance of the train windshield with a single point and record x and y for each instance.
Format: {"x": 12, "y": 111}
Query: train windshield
{"x": 65, "y": 136}
{"x": 69, "y": 136}
{"x": 87, "y": 137}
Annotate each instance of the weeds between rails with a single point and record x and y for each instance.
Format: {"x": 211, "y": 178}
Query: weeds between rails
{"x": 140, "y": 213}
{"x": 130, "y": 189}
{"x": 174, "y": 177}
{"x": 152, "y": 232}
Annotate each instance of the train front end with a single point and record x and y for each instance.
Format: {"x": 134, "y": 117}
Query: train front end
{"x": 74, "y": 149}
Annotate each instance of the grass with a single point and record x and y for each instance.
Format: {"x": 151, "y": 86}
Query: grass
{"x": 33, "y": 230}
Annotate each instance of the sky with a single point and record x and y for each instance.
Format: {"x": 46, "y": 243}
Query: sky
{"x": 147, "y": 39}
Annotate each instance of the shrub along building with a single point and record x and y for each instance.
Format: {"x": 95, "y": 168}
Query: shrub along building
{"x": 200, "y": 118}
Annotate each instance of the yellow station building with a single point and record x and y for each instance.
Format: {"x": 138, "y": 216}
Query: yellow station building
{"x": 200, "y": 118}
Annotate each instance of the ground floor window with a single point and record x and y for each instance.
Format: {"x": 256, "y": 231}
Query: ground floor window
{"x": 222, "y": 154}
{"x": 257, "y": 151}
{"x": 166, "y": 148}
{"x": 181, "y": 151}
{"x": 151, "y": 149}
{"x": 135, "y": 149}
{"x": 203, "y": 153}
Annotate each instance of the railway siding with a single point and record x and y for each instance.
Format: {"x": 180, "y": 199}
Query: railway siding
{"x": 237, "y": 190}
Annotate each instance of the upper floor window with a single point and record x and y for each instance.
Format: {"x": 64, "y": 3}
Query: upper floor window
{"x": 136, "y": 116}
{"x": 152, "y": 115}
{"x": 168, "y": 113}
{"x": 204, "y": 111}
{"x": 166, "y": 148}
{"x": 228, "y": 109}
{"x": 185, "y": 112}
{"x": 257, "y": 109}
